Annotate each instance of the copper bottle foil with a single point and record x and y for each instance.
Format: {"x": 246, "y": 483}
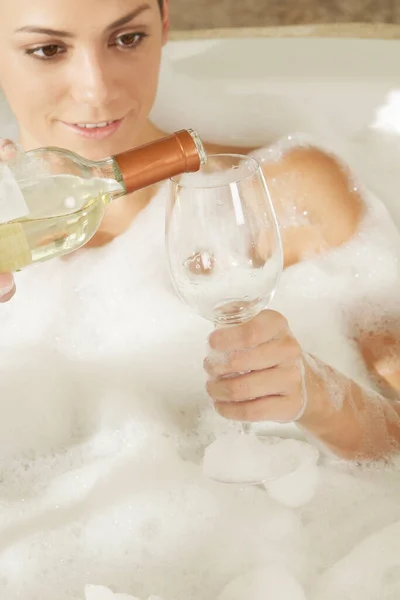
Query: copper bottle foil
{"x": 181, "y": 152}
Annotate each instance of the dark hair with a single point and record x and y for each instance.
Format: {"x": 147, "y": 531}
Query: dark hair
{"x": 161, "y": 5}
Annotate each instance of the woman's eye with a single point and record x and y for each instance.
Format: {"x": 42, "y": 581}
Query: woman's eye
{"x": 46, "y": 52}
{"x": 130, "y": 40}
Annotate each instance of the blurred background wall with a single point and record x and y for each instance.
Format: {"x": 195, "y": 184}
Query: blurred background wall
{"x": 207, "y": 14}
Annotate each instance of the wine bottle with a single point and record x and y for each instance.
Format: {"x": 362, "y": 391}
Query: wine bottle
{"x": 52, "y": 201}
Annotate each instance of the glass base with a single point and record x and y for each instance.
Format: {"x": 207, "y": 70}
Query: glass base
{"x": 239, "y": 458}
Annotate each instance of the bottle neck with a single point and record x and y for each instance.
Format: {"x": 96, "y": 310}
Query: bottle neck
{"x": 108, "y": 169}
{"x": 147, "y": 165}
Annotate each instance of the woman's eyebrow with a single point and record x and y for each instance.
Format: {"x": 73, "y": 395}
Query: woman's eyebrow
{"x": 60, "y": 33}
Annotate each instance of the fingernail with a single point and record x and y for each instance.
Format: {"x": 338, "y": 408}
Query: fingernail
{"x": 8, "y": 150}
{"x": 6, "y": 287}
{"x": 6, "y": 291}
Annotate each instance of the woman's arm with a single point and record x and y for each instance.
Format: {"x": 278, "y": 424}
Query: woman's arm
{"x": 271, "y": 379}
{"x": 352, "y": 421}
{"x": 380, "y": 349}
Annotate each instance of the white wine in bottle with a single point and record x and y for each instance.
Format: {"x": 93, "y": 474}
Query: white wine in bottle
{"x": 64, "y": 213}
{"x": 52, "y": 203}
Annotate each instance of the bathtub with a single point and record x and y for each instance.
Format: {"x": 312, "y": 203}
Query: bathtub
{"x": 338, "y": 536}
{"x": 338, "y": 83}
{"x": 345, "y": 73}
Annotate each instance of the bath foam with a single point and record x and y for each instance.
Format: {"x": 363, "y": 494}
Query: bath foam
{"x": 99, "y": 592}
{"x": 103, "y": 482}
{"x": 105, "y": 420}
{"x": 370, "y": 569}
{"x": 266, "y": 583}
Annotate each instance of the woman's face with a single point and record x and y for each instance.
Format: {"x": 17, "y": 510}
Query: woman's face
{"x": 81, "y": 74}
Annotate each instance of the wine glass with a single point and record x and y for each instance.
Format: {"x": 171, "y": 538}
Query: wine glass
{"x": 223, "y": 245}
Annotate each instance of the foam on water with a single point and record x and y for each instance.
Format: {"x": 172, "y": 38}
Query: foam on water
{"x": 269, "y": 582}
{"x": 105, "y": 421}
{"x": 99, "y": 592}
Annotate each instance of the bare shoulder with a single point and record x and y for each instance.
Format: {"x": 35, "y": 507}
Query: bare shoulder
{"x": 316, "y": 187}
{"x": 321, "y": 187}
{"x": 315, "y": 182}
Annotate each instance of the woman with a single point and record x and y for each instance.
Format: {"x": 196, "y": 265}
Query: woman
{"x": 85, "y": 78}
{"x": 7, "y": 287}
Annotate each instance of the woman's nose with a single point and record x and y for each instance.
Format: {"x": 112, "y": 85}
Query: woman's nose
{"x": 93, "y": 82}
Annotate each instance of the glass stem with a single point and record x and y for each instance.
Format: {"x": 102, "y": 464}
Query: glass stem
{"x": 245, "y": 427}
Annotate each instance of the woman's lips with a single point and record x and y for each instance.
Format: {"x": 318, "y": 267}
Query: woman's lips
{"x": 96, "y": 131}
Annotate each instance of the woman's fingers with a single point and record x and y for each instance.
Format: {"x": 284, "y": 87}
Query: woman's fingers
{"x": 8, "y": 150}
{"x": 256, "y": 371}
{"x": 7, "y": 287}
{"x": 265, "y": 356}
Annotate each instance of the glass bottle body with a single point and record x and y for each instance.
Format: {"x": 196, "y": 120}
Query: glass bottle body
{"x": 52, "y": 201}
